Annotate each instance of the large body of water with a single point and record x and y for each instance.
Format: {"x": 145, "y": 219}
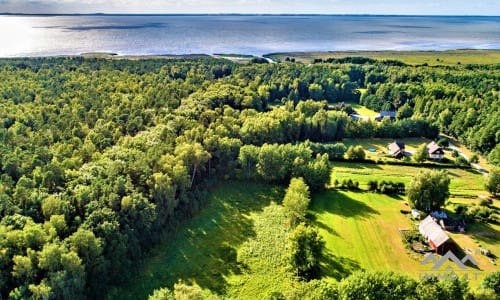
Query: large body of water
{"x": 248, "y": 34}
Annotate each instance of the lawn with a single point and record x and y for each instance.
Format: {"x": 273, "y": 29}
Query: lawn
{"x": 432, "y": 58}
{"x": 411, "y": 144}
{"x": 236, "y": 245}
{"x": 464, "y": 183}
{"x": 361, "y": 233}
{"x": 205, "y": 249}
{"x": 363, "y": 110}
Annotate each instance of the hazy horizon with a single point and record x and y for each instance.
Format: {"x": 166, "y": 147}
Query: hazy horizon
{"x": 322, "y": 7}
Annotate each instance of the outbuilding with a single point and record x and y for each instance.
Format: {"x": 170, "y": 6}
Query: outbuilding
{"x": 435, "y": 236}
{"x": 385, "y": 114}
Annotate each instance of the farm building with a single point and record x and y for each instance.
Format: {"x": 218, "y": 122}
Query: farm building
{"x": 435, "y": 152}
{"x": 384, "y": 114}
{"x": 452, "y": 225}
{"x": 435, "y": 236}
{"x": 397, "y": 149}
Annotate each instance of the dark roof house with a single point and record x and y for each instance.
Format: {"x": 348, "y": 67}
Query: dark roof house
{"x": 397, "y": 149}
{"x": 435, "y": 152}
{"x": 383, "y": 114}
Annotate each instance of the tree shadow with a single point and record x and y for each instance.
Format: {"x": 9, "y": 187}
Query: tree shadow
{"x": 484, "y": 233}
{"x": 395, "y": 196}
{"x": 338, "y": 267}
{"x": 204, "y": 249}
{"x": 339, "y": 203}
{"x": 360, "y": 165}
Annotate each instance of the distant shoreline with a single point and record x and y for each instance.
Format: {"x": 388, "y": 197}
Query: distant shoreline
{"x": 239, "y": 14}
{"x": 429, "y": 57}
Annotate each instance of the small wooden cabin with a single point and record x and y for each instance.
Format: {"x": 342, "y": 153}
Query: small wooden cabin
{"x": 435, "y": 152}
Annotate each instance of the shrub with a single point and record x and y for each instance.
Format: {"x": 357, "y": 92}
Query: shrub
{"x": 443, "y": 143}
{"x": 349, "y": 184}
{"x": 355, "y": 153}
{"x": 492, "y": 282}
{"x": 486, "y": 202}
{"x": 372, "y": 185}
{"x": 481, "y": 214}
{"x": 386, "y": 187}
{"x": 461, "y": 161}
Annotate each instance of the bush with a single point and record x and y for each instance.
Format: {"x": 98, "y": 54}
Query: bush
{"x": 474, "y": 159}
{"x": 372, "y": 185}
{"x": 461, "y": 161}
{"x": 355, "y": 153}
{"x": 460, "y": 210}
{"x": 443, "y": 143}
{"x": 486, "y": 202}
{"x": 492, "y": 282}
{"x": 481, "y": 214}
{"x": 349, "y": 184}
{"x": 386, "y": 187}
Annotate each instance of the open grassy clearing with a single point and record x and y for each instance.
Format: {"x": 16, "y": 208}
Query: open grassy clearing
{"x": 363, "y": 110}
{"x": 468, "y": 183}
{"x": 381, "y": 145}
{"x": 205, "y": 249}
{"x": 411, "y": 144}
{"x": 432, "y": 58}
{"x": 235, "y": 247}
{"x": 361, "y": 233}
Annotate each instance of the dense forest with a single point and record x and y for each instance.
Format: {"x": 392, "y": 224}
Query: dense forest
{"x": 100, "y": 159}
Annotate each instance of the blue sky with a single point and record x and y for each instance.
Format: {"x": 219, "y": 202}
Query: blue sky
{"x": 417, "y": 7}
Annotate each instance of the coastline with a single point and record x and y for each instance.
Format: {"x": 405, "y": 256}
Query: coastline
{"x": 411, "y": 57}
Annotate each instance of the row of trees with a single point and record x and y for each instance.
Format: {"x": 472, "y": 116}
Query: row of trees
{"x": 280, "y": 162}
{"x": 363, "y": 285}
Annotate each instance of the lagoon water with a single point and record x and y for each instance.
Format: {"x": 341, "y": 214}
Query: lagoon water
{"x": 248, "y": 34}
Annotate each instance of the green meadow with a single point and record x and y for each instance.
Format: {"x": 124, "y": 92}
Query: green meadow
{"x": 432, "y": 58}
{"x": 236, "y": 245}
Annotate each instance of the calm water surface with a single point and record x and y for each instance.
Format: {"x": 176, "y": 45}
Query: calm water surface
{"x": 60, "y": 35}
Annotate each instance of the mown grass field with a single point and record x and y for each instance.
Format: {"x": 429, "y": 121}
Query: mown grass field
{"x": 464, "y": 182}
{"x": 432, "y": 58}
{"x": 361, "y": 233}
{"x": 236, "y": 245}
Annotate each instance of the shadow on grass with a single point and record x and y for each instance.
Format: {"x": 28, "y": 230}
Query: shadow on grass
{"x": 338, "y": 267}
{"x": 484, "y": 233}
{"x": 204, "y": 250}
{"x": 357, "y": 165}
{"x": 339, "y": 203}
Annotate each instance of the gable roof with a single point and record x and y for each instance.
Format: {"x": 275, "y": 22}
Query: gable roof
{"x": 396, "y": 147}
{"x": 385, "y": 113}
{"x": 433, "y": 147}
{"x": 432, "y": 231}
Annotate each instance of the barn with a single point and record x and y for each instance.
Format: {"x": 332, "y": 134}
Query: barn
{"x": 435, "y": 236}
